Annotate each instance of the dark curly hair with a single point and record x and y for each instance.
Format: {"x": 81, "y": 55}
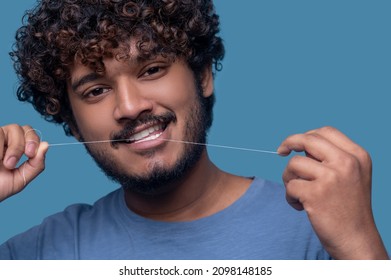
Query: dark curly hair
{"x": 58, "y": 32}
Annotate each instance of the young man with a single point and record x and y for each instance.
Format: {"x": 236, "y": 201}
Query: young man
{"x": 140, "y": 73}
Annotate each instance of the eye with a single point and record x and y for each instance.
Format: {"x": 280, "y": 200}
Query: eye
{"x": 152, "y": 70}
{"x": 95, "y": 92}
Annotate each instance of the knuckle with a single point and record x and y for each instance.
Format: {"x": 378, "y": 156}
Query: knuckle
{"x": 295, "y": 160}
{"x": 12, "y": 126}
{"x": 363, "y": 156}
{"x": 286, "y": 177}
{"x": 290, "y": 187}
{"x": 331, "y": 177}
{"x": 30, "y": 132}
{"x": 313, "y": 136}
{"x": 12, "y": 132}
{"x": 322, "y": 130}
{"x": 350, "y": 163}
{"x": 27, "y": 127}
{"x": 327, "y": 129}
{"x": 289, "y": 176}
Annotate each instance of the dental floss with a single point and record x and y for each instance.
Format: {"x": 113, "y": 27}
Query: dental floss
{"x": 168, "y": 140}
{"x": 22, "y": 172}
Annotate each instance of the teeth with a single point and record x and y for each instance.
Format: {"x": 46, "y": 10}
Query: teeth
{"x": 142, "y": 134}
{"x": 152, "y": 137}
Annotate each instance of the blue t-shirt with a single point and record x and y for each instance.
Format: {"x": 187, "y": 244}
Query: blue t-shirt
{"x": 259, "y": 225}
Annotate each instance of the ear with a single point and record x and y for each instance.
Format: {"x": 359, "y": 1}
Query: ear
{"x": 207, "y": 82}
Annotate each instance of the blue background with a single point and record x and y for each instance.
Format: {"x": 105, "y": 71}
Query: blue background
{"x": 290, "y": 66}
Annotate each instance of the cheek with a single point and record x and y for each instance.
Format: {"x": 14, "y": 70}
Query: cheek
{"x": 93, "y": 122}
{"x": 175, "y": 89}
{"x": 175, "y": 94}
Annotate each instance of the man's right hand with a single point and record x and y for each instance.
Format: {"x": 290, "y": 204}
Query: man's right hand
{"x": 16, "y": 141}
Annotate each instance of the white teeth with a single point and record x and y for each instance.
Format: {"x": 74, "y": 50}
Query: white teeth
{"x": 152, "y": 137}
{"x": 142, "y": 134}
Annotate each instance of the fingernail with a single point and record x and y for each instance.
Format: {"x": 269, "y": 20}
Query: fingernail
{"x": 11, "y": 162}
{"x": 31, "y": 148}
{"x": 282, "y": 151}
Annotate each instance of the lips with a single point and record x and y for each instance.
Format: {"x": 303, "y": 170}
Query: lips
{"x": 147, "y": 134}
{"x": 147, "y": 127}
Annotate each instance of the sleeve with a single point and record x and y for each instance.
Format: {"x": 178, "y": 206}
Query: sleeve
{"x": 55, "y": 238}
{"x": 5, "y": 252}
{"x": 21, "y": 247}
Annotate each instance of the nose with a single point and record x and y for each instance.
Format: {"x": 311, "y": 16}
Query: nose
{"x": 130, "y": 101}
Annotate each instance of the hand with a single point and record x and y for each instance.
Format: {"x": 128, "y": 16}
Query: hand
{"x": 14, "y": 142}
{"x": 332, "y": 183}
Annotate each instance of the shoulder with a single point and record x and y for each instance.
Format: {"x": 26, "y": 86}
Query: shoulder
{"x": 80, "y": 212}
{"x": 269, "y": 198}
{"x": 268, "y": 193}
{"x": 58, "y": 232}
{"x": 284, "y": 231}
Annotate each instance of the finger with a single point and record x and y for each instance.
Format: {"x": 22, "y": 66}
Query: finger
{"x": 295, "y": 203}
{"x": 2, "y": 143}
{"x": 344, "y": 143}
{"x": 300, "y": 167}
{"x": 32, "y": 141}
{"x": 337, "y": 138}
{"x": 14, "y": 144}
{"x": 313, "y": 144}
{"x": 296, "y": 192}
{"x": 32, "y": 167}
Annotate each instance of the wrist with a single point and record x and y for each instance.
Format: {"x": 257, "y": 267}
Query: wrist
{"x": 368, "y": 246}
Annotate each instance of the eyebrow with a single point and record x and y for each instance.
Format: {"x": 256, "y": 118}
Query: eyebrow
{"x": 85, "y": 79}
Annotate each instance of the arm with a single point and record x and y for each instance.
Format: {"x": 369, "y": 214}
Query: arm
{"x": 16, "y": 141}
{"x": 332, "y": 183}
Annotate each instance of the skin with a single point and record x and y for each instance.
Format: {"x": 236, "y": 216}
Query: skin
{"x": 15, "y": 141}
{"x": 332, "y": 182}
{"x": 125, "y": 92}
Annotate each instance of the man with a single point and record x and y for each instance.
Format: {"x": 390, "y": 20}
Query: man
{"x": 140, "y": 74}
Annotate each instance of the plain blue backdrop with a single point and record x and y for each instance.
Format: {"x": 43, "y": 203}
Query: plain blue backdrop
{"x": 290, "y": 66}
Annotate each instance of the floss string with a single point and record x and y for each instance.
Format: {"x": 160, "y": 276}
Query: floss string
{"x": 22, "y": 172}
{"x": 168, "y": 140}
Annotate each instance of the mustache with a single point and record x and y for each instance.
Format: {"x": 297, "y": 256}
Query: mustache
{"x": 131, "y": 125}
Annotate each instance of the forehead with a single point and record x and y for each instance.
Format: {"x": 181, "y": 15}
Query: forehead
{"x": 132, "y": 53}
{"x": 127, "y": 56}
{"x": 81, "y": 73}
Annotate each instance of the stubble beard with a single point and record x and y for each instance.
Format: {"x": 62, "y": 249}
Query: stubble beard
{"x": 161, "y": 179}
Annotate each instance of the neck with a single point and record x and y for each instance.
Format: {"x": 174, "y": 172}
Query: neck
{"x": 204, "y": 191}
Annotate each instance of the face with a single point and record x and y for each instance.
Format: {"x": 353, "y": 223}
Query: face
{"x": 139, "y": 105}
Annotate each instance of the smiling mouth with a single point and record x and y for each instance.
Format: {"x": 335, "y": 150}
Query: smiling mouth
{"x": 148, "y": 134}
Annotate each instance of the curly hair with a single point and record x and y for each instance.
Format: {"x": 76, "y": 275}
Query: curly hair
{"x": 58, "y": 32}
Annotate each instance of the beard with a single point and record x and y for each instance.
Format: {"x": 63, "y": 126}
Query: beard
{"x": 159, "y": 179}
